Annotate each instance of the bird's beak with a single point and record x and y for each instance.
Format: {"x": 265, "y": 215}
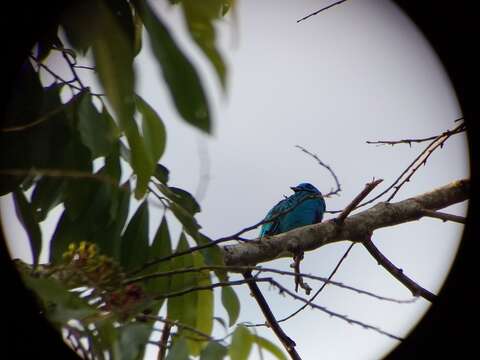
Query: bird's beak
{"x": 294, "y": 188}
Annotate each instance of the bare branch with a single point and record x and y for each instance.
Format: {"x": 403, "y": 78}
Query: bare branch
{"x": 260, "y": 269}
{"x": 423, "y": 159}
{"x": 416, "y": 289}
{"x": 321, "y": 288}
{"x": 36, "y": 122}
{"x": 319, "y": 11}
{"x": 321, "y": 163}
{"x": 332, "y": 313}
{"x": 61, "y": 173}
{"x": 164, "y": 341}
{"x": 176, "y": 323}
{"x": 420, "y": 140}
{"x": 297, "y": 258}
{"x": 444, "y": 216}
{"x": 368, "y": 188}
{"x": 206, "y": 287}
{"x": 420, "y": 159}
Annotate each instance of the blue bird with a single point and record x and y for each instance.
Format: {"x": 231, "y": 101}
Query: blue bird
{"x": 303, "y": 212}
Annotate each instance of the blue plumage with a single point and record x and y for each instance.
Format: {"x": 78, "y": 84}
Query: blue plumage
{"x": 305, "y": 213}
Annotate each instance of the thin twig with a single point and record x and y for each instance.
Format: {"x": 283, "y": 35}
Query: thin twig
{"x": 284, "y": 290}
{"x": 415, "y": 161}
{"x": 85, "y": 67}
{"x": 321, "y": 163}
{"x": 381, "y": 259}
{"x": 319, "y": 11}
{"x": 206, "y": 287}
{"x": 444, "y": 216}
{"x": 55, "y": 75}
{"x": 321, "y": 288}
{"x": 40, "y": 120}
{"x": 61, "y": 173}
{"x": 163, "y": 341}
{"x": 426, "y": 154}
{"x": 297, "y": 258}
{"x": 368, "y": 188}
{"x": 177, "y": 324}
{"x": 261, "y": 270}
{"x": 72, "y": 65}
{"x": 420, "y": 140}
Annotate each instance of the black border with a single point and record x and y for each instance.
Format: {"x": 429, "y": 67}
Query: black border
{"x": 446, "y": 330}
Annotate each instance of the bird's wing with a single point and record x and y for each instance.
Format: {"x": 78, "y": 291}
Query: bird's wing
{"x": 321, "y": 209}
{"x": 271, "y": 228}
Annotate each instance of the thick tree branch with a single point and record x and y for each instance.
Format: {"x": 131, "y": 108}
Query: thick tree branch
{"x": 354, "y": 228}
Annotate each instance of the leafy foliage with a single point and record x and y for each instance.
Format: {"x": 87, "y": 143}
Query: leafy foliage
{"x": 94, "y": 157}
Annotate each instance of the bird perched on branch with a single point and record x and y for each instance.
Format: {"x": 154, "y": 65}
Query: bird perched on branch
{"x": 306, "y": 206}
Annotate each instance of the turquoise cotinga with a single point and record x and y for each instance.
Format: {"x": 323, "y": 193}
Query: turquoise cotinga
{"x": 306, "y": 206}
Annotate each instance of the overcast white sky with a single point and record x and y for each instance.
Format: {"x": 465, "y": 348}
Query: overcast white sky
{"x": 359, "y": 71}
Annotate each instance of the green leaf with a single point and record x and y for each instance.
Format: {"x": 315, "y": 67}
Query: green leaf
{"x": 241, "y": 344}
{"x": 113, "y": 56}
{"x": 60, "y": 305}
{"x": 179, "y": 350}
{"x": 183, "y": 308}
{"x": 213, "y": 351}
{"x": 212, "y": 255}
{"x": 160, "y": 247}
{"x": 35, "y": 131}
{"x": 66, "y": 232}
{"x": 269, "y": 346}
{"x": 26, "y": 216}
{"x": 153, "y": 130}
{"x": 188, "y": 221}
{"x": 97, "y": 131}
{"x": 134, "y": 250}
{"x": 112, "y": 167}
{"x": 204, "y": 321}
{"x": 231, "y": 304}
{"x": 222, "y": 322}
{"x": 26, "y": 98}
{"x": 227, "y": 5}
{"x": 199, "y": 17}
{"x": 91, "y": 198}
{"x": 179, "y": 74}
{"x": 132, "y": 338}
{"x": 108, "y": 237}
{"x": 181, "y": 197}
{"x": 138, "y": 30}
{"x": 107, "y": 336}
{"x": 185, "y": 199}
{"x": 161, "y": 173}
{"x": 47, "y": 194}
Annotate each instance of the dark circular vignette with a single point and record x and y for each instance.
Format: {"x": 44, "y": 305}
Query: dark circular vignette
{"x": 26, "y": 334}
{"x": 450, "y": 28}
{"x": 444, "y": 330}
